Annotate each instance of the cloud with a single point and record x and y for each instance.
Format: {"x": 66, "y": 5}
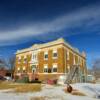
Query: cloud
{"x": 87, "y": 17}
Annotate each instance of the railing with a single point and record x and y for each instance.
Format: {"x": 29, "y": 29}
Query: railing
{"x": 71, "y": 74}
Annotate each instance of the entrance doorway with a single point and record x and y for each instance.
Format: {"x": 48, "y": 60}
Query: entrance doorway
{"x": 33, "y": 69}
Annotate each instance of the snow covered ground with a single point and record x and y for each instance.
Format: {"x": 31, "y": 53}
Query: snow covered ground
{"x": 91, "y": 90}
{"x": 56, "y": 93}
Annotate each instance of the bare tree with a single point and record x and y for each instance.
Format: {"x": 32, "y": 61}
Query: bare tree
{"x": 11, "y": 64}
{"x": 96, "y": 68}
{"x": 3, "y": 63}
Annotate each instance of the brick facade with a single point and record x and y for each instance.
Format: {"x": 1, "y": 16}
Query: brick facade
{"x": 66, "y": 58}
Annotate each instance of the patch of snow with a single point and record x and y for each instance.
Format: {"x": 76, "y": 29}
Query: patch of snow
{"x": 91, "y": 90}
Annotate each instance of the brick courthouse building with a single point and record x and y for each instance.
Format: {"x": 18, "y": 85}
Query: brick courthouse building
{"x": 49, "y": 60}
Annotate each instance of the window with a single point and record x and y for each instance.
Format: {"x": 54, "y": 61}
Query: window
{"x": 79, "y": 60}
{"x": 74, "y": 62}
{"x": 19, "y": 59}
{"x": 45, "y": 69}
{"x": 18, "y": 69}
{"x": 45, "y": 55}
{"x": 54, "y": 68}
{"x": 24, "y": 69}
{"x": 67, "y": 55}
{"x": 34, "y": 56}
{"x": 33, "y": 68}
{"x": 25, "y": 60}
{"x": 55, "y": 55}
{"x": 68, "y": 67}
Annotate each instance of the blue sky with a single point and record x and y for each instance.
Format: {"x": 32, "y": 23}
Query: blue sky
{"x": 25, "y": 22}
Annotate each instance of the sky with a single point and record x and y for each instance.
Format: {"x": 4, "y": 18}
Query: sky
{"x": 26, "y": 22}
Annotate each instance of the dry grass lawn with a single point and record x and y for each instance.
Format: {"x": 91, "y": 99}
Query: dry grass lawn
{"x": 28, "y": 88}
{"x": 19, "y": 87}
{"x": 6, "y": 85}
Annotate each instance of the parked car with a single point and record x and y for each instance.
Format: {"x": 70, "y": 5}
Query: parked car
{"x": 2, "y": 78}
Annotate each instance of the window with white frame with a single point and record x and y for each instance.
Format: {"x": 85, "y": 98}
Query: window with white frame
{"x": 55, "y": 54}
{"x": 24, "y": 69}
{"x": 18, "y": 69}
{"x": 45, "y": 70}
{"x": 54, "y": 69}
{"x": 33, "y": 68}
{"x": 19, "y": 59}
{"x": 68, "y": 67}
{"x": 34, "y": 56}
{"x": 25, "y": 59}
{"x": 67, "y": 54}
{"x": 80, "y": 60}
{"x": 74, "y": 62}
{"x": 46, "y": 55}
